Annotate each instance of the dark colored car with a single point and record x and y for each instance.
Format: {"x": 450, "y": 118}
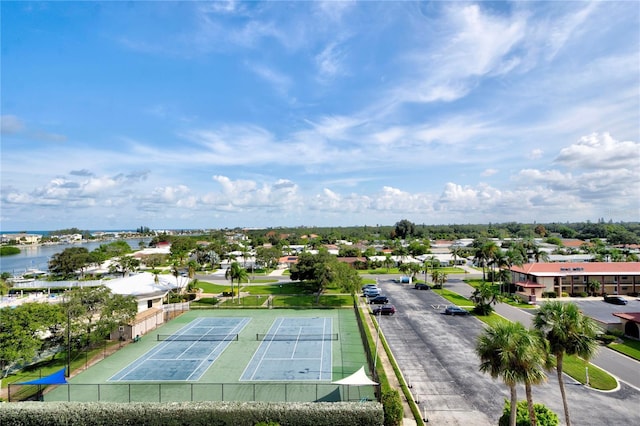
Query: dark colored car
{"x": 379, "y": 300}
{"x": 421, "y": 286}
{"x": 616, "y": 300}
{"x": 455, "y": 310}
{"x": 384, "y": 310}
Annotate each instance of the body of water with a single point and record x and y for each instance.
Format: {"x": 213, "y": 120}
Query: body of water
{"x": 37, "y": 257}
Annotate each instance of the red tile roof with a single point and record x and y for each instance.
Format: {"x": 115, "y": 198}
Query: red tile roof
{"x": 631, "y": 316}
{"x": 579, "y": 268}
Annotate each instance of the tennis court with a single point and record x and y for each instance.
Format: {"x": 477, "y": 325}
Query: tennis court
{"x": 294, "y": 349}
{"x": 187, "y": 354}
{"x": 231, "y": 355}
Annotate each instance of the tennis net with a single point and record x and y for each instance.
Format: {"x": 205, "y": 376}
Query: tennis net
{"x": 197, "y": 337}
{"x": 294, "y": 337}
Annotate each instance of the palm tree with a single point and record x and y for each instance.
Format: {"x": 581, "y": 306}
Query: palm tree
{"x": 568, "y": 332}
{"x": 237, "y": 273}
{"x": 388, "y": 261}
{"x": 517, "y": 355}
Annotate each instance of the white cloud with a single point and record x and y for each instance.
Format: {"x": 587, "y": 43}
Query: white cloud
{"x": 600, "y": 151}
{"x": 536, "y": 153}
{"x": 330, "y": 61}
{"x": 10, "y": 124}
{"x": 280, "y": 82}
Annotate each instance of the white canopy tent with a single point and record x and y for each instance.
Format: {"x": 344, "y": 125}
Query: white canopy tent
{"x": 359, "y": 378}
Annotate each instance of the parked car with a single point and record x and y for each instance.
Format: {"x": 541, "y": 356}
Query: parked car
{"x": 421, "y": 286}
{"x": 615, "y": 300}
{"x": 455, "y": 310}
{"x": 379, "y": 300}
{"x": 366, "y": 286}
{"x": 384, "y": 310}
{"x": 372, "y": 292}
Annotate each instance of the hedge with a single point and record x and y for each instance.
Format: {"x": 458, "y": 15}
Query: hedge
{"x": 191, "y": 413}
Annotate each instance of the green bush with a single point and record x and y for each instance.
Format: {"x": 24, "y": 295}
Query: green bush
{"x": 565, "y": 294}
{"x": 392, "y": 406}
{"x": 192, "y": 413}
{"x": 544, "y": 416}
{"x": 9, "y": 250}
{"x": 607, "y": 338}
{"x": 549, "y": 294}
{"x": 615, "y": 332}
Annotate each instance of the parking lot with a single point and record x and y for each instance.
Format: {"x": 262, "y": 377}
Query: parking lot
{"x": 598, "y": 309}
{"x": 436, "y": 354}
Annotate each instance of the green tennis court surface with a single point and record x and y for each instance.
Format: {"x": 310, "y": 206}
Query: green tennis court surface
{"x": 330, "y": 338}
{"x": 178, "y": 359}
{"x": 294, "y": 349}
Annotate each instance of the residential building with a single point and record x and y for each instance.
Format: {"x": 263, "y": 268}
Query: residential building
{"x": 532, "y": 279}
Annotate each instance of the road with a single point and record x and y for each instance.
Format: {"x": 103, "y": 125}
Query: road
{"x": 620, "y": 366}
{"x": 436, "y": 354}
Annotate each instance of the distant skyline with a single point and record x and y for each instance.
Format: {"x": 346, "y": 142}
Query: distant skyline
{"x": 183, "y": 115}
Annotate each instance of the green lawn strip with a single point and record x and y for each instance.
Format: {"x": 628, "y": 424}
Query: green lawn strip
{"x": 309, "y": 301}
{"x": 598, "y": 378}
{"x": 629, "y": 347}
{"x": 205, "y": 302}
{"x": 245, "y": 301}
{"x": 213, "y": 288}
{"x": 453, "y": 297}
{"x": 491, "y": 319}
{"x": 380, "y": 271}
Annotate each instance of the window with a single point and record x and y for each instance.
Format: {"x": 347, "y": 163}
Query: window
{"x": 149, "y": 304}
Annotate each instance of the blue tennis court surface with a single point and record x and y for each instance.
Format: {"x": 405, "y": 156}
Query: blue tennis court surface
{"x": 294, "y": 349}
{"x": 177, "y": 360}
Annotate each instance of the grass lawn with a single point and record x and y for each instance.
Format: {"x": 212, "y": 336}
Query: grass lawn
{"x": 309, "y": 301}
{"x": 598, "y": 379}
{"x": 454, "y": 298}
{"x": 246, "y": 301}
{"x": 491, "y": 319}
{"x": 212, "y": 288}
{"x": 629, "y": 347}
{"x": 380, "y": 271}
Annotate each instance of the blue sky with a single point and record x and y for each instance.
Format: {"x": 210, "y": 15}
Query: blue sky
{"x": 262, "y": 114}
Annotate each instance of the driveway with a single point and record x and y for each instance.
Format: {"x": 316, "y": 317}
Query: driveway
{"x": 436, "y": 354}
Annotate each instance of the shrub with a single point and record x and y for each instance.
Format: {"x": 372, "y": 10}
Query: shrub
{"x": 482, "y": 309}
{"x": 544, "y": 416}
{"x": 565, "y": 294}
{"x": 549, "y": 294}
{"x": 191, "y": 413}
{"x": 615, "y": 332}
{"x": 607, "y": 338}
{"x": 392, "y": 406}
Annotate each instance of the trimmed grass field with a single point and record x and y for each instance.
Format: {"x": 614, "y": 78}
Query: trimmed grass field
{"x": 629, "y": 347}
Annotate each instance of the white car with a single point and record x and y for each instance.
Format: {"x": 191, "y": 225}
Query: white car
{"x": 372, "y": 292}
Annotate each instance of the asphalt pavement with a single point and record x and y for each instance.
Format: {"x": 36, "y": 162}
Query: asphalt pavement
{"x": 436, "y": 354}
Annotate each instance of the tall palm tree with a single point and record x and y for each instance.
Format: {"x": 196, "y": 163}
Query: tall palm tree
{"x": 237, "y": 273}
{"x": 517, "y": 355}
{"x": 568, "y": 332}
